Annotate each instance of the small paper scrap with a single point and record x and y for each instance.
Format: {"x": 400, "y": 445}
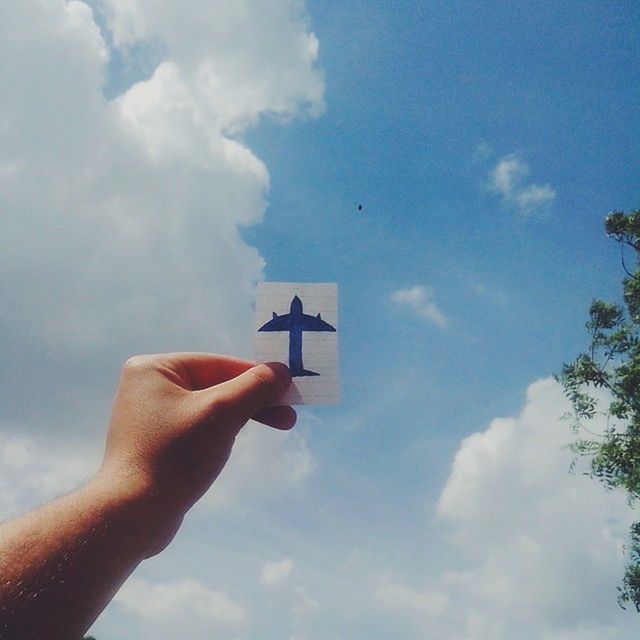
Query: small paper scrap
{"x": 297, "y": 324}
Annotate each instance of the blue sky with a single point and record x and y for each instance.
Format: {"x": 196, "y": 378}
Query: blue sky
{"x": 423, "y": 101}
{"x": 161, "y": 160}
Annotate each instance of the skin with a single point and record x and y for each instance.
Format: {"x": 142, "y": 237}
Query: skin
{"x": 174, "y": 421}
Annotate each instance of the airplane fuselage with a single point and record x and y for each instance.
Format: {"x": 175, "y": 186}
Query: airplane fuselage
{"x": 296, "y": 322}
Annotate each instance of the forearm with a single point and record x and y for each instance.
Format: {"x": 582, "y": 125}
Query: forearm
{"x": 61, "y": 564}
{"x": 173, "y": 425}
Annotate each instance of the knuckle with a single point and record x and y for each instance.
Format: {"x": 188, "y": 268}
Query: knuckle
{"x": 137, "y": 364}
{"x": 265, "y": 376}
{"x": 262, "y": 375}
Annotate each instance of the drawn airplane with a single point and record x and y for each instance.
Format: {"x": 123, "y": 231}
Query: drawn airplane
{"x": 296, "y": 322}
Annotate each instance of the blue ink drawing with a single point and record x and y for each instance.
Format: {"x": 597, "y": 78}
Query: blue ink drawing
{"x": 295, "y": 322}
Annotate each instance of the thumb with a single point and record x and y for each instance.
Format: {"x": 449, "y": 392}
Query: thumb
{"x": 238, "y": 399}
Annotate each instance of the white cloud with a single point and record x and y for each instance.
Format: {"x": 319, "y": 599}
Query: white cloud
{"x": 120, "y": 234}
{"x": 535, "y": 552}
{"x": 508, "y": 174}
{"x": 507, "y": 178}
{"x": 32, "y": 472}
{"x": 180, "y": 608}
{"x": 240, "y": 60}
{"x": 535, "y": 196}
{"x": 291, "y": 597}
{"x": 120, "y": 219}
{"x": 265, "y": 463}
{"x": 544, "y": 546}
{"x": 276, "y": 573}
{"x": 419, "y": 299}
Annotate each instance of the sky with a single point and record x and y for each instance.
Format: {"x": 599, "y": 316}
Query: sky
{"x": 159, "y": 159}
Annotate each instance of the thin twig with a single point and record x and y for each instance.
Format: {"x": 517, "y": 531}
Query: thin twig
{"x": 624, "y": 266}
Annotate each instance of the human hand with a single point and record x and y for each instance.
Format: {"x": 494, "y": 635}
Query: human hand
{"x": 175, "y": 418}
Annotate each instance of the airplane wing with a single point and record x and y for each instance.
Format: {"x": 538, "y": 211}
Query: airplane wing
{"x": 315, "y": 323}
{"x": 277, "y": 323}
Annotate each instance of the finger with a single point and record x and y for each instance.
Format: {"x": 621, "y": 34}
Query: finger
{"x": 243, "y": 396}
{"x": 283, "y": 418}
{"x": 206, "y": 370}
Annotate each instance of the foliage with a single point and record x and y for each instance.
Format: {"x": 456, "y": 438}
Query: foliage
{"x": 612, "y": 363}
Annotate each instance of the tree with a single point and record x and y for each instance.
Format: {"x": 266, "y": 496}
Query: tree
{"x": 612, "y": 362}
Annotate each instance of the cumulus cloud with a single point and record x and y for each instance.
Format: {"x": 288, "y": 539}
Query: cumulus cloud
{"x": 420, "y": 300}
{"x": 241, "y": 60}
{"x": 545, "y": 546}
{"x": 535, "y": 551}
{"x": 508, "y": 179}
{"x": 120, "y": 226}
{"x": 121, "y": 233}
{"x": 120, "y": 217}
{"x": 175, "y": 609}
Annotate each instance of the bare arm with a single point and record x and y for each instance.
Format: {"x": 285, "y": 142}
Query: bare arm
{"x": 175, "y": 418}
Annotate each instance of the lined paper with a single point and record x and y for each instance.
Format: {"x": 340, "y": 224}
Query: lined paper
{"x": 319, "y": 338}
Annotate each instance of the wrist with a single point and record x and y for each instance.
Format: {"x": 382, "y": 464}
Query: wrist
{"x": 137, "y": 510}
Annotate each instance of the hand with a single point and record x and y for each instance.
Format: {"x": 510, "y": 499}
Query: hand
{"x": 175, "y": 418}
